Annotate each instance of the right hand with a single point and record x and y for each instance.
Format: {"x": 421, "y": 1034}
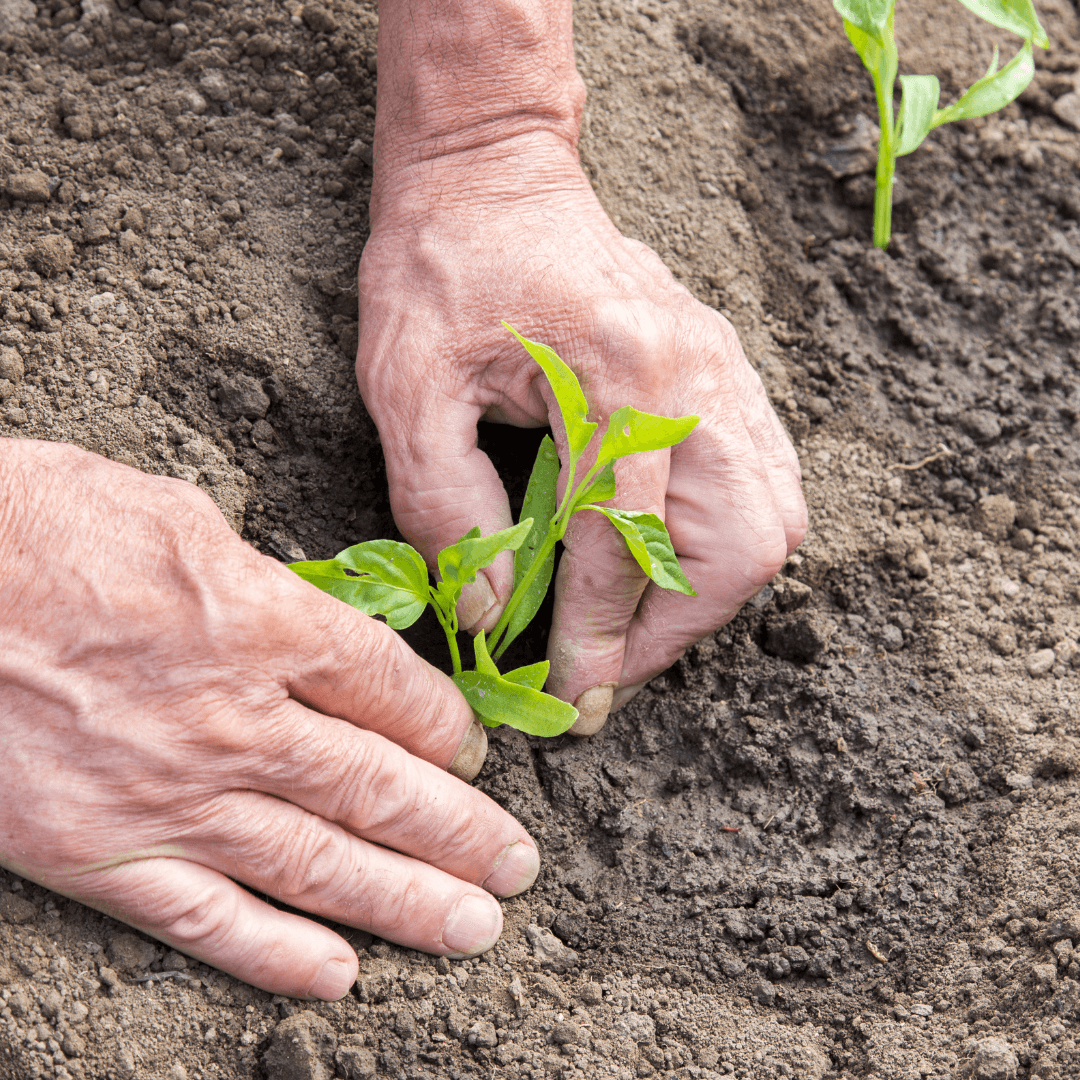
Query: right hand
{"x": 179, "y": 713}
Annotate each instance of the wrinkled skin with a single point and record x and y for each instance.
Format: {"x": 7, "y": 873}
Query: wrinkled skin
{"x": 514, "y": 231}
{"x": 179, "y": 713}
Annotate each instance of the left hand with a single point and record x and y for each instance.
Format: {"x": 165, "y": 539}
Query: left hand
{"x": 514, "y": 231}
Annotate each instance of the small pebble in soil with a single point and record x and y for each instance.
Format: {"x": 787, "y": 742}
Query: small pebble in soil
{"x": 1039, "y": 663}
{"x": 31, "y": 185}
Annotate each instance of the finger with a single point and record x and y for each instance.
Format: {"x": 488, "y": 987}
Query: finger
{"x": 597, "y": 591}
{"x": 199, "y": 911}
{"x": 775, "y": 452}
{"x": 309, "y": 863}
{"x": 377, "y": 791}
{"x": 348, "y": 665}
{"x": 785, "y": 476}
{"x": 441, "y": 486}
{"x": 731, "y": 539}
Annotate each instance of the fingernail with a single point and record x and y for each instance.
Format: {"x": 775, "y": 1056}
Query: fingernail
{"x": 593, "y": 706}
{"x": 334, "y": 980}
{"x": 624, "y": 694}
{"x": 515, "y": 870}
{"x": 471, "y": 753}
{"x": 477, "y": 599}
{"x": 473, "y": 926}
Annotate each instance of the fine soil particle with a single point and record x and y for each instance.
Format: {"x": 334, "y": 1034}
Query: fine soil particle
{"x": 839, "y": 838}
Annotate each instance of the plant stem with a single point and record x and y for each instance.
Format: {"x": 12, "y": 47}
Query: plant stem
{"x": 883, "y": 193}
{"x": 455, "y": 653}
{"x": 448, "y": 621}
{"x": 556, "y": 531}
{"x": 568, "y": 495}
{"x": 886, "y": 163}
{"x": 546, "y": 548}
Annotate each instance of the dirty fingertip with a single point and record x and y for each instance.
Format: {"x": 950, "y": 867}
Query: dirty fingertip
{"x": 473, "y": 926}
{"x": 593, "y": 706}
{"x": 515, "y": 870}
{"x": 471, "y": 753}
{"x": 624, "y": 694}
{"x": 335, "y": 979}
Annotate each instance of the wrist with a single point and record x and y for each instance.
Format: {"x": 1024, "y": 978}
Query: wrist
{"x": 528, "y": 165}
{"x": 469, "y": 78}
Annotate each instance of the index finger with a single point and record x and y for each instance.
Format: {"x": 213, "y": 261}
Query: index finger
{"x": 349, "y": 665}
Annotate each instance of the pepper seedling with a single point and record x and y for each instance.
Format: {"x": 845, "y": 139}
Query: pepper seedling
{"x": 390, "y": 578}
{"x": 869, "y": 27}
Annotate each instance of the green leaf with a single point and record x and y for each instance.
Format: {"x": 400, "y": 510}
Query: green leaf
{"x": 602, "y": 488}
{"x": 878, "y": 54}
{"x": 1016, "y": 16}
{"x": 632, "y": 432}
{"x": 534, "y": 675}
{"x": 871, "y": 51}
{"x": 497, "y": 700}
{"x": 568, "y": 394}
{"x": 647, "y": 538}
{"x": 540, "y": 504}
{"x": 388, "y": 578}
{"x": 993, "y": 91}
{"x": 921, "y": 93}
{"x": 484, "y": 664}
{"x": 869, "y": 16}
{"x": 459, "y": 562}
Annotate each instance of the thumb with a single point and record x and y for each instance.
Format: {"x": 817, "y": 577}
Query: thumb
{"x": 441, "y": 486}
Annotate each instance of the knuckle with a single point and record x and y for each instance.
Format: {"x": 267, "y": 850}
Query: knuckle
{"x": 599, "y": 566}
{"x": 332, "y": 630}
{"x": 770, "y": 553}
{"x": 638, "y": 342}
{"x": 314, "y": 859}
{"x": 199, "y": 921}
{"x": 319, "y": 867}
{"x": 391, "y": 907}
{"x": 366, "y": 780}
{"x": 407, "y": 697}
{"x": 392, "y": 793}
{"x": 390, "y": 796}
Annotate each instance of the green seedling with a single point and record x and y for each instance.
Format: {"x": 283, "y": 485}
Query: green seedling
{"x": 869, "y": 26}
{"x": 389, "y": 578}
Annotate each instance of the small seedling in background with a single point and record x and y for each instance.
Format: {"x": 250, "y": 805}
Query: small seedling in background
{"x": 869, "y": 26}
{"x": 389, "y": 578}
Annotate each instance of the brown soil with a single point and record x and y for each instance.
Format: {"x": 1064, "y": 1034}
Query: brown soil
{"x": 840, "y": 837}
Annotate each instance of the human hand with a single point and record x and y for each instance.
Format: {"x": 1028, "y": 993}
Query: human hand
{"x": 514, "y": 231}
{"x": 179, "y": 713}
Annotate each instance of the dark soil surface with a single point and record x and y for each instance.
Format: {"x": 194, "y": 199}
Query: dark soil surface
{"x": 841, "y": 838}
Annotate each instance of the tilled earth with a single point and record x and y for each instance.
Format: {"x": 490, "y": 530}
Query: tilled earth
{"x": 840, "y": 838}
